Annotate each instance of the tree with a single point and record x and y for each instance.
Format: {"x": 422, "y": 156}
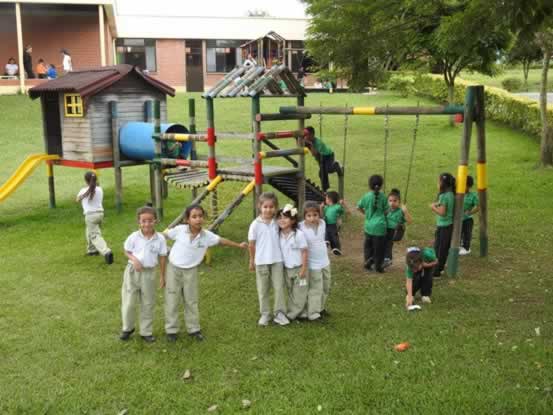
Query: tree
{"x": 545, "y": 40}
{"x": 525, "y": 52}
{"x": 363, "y": 37}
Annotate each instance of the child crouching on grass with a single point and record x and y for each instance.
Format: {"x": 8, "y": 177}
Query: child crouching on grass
{"x": 314, "y": 229}
{"x": 293, "y": 246}
{"x": 144, "y": 248}
{"x": 420, "y": 264}
{"x": 191, "y": 243}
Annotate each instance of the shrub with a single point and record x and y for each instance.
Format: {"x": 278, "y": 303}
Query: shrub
{"x": 512, "y": 84}
{"x": 517, "y": 112}
{"x": 400, "y": 84}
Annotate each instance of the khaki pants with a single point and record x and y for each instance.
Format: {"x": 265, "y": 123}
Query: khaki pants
{"x": 181, "y": 284}
{"x": 319, "y": 281}
{"x": 267, "y": 276}
{"x": 327, "y": 282}
{"x": 297, "y": 294}
{"x": 138, "y": 287}
{"x": 94, "y": 240}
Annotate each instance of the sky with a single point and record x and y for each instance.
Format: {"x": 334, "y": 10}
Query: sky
{"x": 204, "y": 8}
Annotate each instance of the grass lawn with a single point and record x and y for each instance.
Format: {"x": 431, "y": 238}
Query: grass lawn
{"x": 485, "y": 345}
{"x": 534, "y": 78}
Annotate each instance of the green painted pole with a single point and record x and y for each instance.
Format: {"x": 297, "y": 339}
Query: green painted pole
{"x": 462, "y": 173}
{"x": 158, "y": 192}
{"x": 482, "y": 174}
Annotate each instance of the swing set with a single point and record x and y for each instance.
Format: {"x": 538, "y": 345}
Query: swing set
{"x": 472, "y": 112}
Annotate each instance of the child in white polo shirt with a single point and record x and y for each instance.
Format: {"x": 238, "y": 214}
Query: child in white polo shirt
{"x": 294, "y": 253}
{"x": 266, "y": 261}
{"x": 144, "y": 248}
{"x": 314, "y": 229}
{"x": 191, "y": 243}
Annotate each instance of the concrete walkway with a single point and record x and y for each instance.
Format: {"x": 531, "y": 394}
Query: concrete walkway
{"x": 536, "y": 96}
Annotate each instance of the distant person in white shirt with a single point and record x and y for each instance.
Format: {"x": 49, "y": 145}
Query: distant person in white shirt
{"x": 91, "y": 198}
{"x": 250, "y": 61}
{"x": 314, "y": 229}
{"x": 145, "y": 248}
{"x": 67, "y": 62}
{"x": 191, "y": 243}
{"x": 266, "y": 261}
{"x": 11, "y": 68}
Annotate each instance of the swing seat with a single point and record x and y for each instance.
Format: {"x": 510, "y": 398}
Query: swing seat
{"x": 399, "y": 232}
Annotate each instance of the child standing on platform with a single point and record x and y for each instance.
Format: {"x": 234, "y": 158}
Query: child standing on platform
{"x": 191, "y": 243}
{"x": 470, "y": 207}
{"x": 144, "y": 248}
{"x": 333, "y": 212}
{"x": 324, "y": 155}
{"x": 266, "y": 261}
{"x": 320, "y": 278}
{"x": 91, "y": 198}
{"x": 396, "y": 218}
{"x": 443, "y": 209}
{"x": 374, "y": 205}
{"x": 418, "y": 273}
{"x": 293, "y": 246}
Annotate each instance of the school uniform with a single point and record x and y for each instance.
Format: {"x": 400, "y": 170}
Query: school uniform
{"x": 268, "y": 265}
{"x": 444, "y": 230}
{"x": 394, "y": 218}
{"x": 181, "y": 282}
{"x": 93, "y": 215}
{"x": 331, "y": 215}
{"x": 470, "y": 202}
{"x": 320, "y": 277}
{"x": 292, "y": 246}
{"x": 422, "y": 279}
{"x": 375, "y": 228}
{"x": 327, "y": 164}
{"x": 140, "y": 286}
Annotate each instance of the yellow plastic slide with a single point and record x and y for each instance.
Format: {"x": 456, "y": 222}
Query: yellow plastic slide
{"x": 22, "y": 172}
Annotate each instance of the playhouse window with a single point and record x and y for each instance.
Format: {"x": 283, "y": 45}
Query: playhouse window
{"x": 73, "y": 105}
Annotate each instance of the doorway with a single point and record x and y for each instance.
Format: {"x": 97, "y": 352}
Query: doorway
{"x": 194, "y": 66}
{"x": 52, "y": 123}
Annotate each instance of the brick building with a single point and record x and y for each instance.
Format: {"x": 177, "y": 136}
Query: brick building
{"x": 190, "y": 51}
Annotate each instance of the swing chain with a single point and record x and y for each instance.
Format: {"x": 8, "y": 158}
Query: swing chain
{"x": 412, "y": 158}
{"x": 386, "y": 137}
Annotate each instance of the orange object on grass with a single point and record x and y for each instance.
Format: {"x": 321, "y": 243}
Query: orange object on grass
{"x": 401, "y": 347}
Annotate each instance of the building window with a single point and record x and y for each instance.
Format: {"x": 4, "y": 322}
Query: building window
{"x": 137, "y": 52}
{"x": 73, "y": 105}
{"x": 223, "y": 55}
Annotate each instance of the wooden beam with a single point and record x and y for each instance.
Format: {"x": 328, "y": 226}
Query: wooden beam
{"x": 20, "y": 47}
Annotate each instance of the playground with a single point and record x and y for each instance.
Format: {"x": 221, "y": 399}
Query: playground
{"x": 485, "y": 343}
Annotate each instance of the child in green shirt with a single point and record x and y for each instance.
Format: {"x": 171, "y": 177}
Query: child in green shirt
{"x": 443, "y": 208}
{"x": 374, "y": 205}
{"x": 324, "y": 155}
{"x": 470, "y": 207}
{"x": 332, "y": 213}
{"x": 418, "y": 273}
{"x": 396, "y": 217}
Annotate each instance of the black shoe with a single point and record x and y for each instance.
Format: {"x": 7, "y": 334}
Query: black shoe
{"x": 380, "y": 270}
{"x": 325, "y": 314}
{"x": 336, "y": 252}
{"x": 126, "y": 335}
{"x": 148, "y": 339}
{"x": 92, "y": 253}
{"x": 437, "y": 274}
{"x": 197, "y": 335}
{"x": 172, "y": 337}
{"x": 109, "y": 258}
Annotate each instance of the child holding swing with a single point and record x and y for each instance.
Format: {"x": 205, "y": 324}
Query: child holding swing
{"x": 396, "y": 218}
{"x": 324, "y": 155}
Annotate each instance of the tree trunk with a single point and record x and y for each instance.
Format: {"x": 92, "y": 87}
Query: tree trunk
{"x": 546, "y": 146}
{"x": 525, "y": 70}
{"x": 451, "y": 100}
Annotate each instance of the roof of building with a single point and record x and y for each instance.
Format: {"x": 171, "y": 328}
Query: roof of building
{"x": 89, "y": 82}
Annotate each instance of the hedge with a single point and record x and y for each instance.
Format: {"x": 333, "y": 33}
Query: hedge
{"x": 518, "y": 112}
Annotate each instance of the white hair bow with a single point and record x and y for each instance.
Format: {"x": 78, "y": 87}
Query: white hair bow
{"x": 413, "y": 249}
{"x": 290, "y": 208}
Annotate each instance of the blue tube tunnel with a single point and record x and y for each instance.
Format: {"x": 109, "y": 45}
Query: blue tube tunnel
{"x": 136, "y": 142}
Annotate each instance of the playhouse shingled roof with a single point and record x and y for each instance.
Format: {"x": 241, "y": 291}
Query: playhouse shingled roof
{"x": 89, "y": 82}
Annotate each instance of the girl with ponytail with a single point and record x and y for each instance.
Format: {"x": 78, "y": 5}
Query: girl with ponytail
{"x": 443, "y": 209}
{"x": 374, "y": 205}
{"x": 91, "y": 197}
